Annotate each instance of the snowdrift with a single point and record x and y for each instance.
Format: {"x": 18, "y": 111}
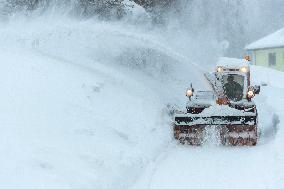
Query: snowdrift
{"x": 83, "y": 103}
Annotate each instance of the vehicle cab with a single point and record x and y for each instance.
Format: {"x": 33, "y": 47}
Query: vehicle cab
{"x": 236, "y": 75}
{"x": 231, "y": 85}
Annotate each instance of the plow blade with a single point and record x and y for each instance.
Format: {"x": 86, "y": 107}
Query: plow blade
{"x": 230, "y": 130}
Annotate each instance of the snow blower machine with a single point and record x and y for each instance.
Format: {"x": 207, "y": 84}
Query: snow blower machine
{"x": 228, "y": 108}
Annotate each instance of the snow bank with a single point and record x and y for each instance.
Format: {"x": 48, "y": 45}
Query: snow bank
{"x": 83, "y": 102}
{"x": 67, "y": 126}
{"x": 266, "y": 76}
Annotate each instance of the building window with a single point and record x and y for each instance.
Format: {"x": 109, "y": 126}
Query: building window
{"x": 272, "y": 59}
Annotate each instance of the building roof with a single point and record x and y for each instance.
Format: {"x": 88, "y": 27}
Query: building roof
{"x": 274, "y": 40}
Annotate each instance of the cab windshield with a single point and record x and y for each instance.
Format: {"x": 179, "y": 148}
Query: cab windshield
{"x": 233, "y": 86}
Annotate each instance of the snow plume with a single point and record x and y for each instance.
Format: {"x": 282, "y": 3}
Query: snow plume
{"x": 164, "y": 18}
{"x": 228, "y": 24}
{"x": 129, "y": 49}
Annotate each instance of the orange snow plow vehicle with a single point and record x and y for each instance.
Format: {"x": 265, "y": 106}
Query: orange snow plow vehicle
{"x": 228, "y": 108}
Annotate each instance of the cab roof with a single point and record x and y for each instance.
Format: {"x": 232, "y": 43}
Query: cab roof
{"x": 226, "y": 62}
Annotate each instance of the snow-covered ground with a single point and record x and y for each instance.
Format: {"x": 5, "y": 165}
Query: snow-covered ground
{"x": 83, "y": 106}
{"x": 65, "y": 126}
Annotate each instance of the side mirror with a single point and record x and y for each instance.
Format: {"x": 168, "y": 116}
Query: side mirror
{"x": 256, "y": 89}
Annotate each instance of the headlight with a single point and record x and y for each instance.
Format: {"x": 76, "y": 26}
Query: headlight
{"x": 189, "y": 93}
{"x": 250, "y": 94}
{"x": 244, "y": 69}
{"x": 219, "y": 69}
